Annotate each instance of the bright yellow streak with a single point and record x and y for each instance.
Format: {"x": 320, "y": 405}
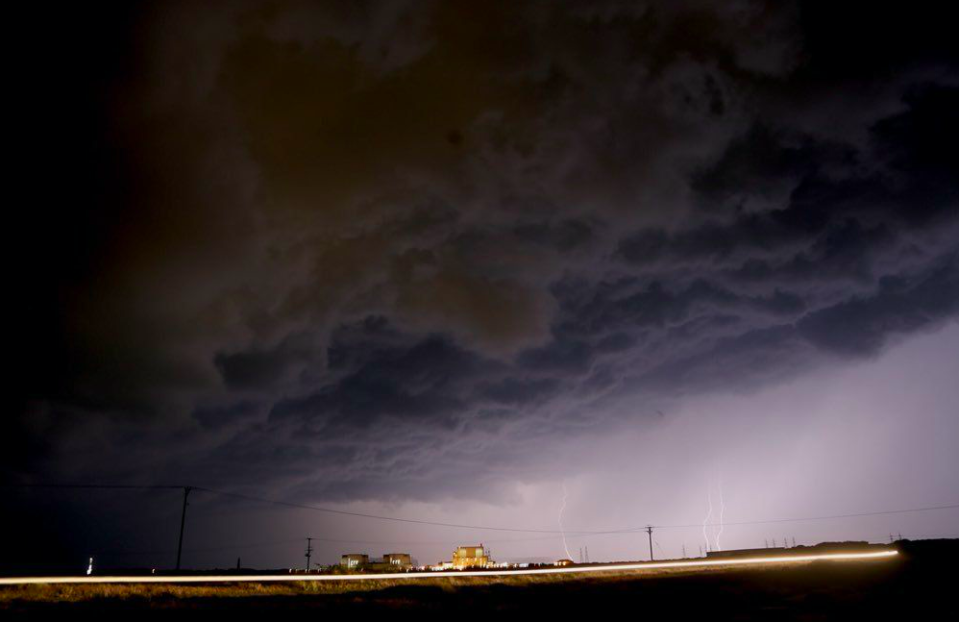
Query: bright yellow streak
{"x": 785, "y": 559}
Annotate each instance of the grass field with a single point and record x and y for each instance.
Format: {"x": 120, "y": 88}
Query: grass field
{"x": 914, "y": 586}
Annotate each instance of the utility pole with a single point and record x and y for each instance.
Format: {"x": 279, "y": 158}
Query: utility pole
{"x": 649, "y": 530}
{"x": 684, "y": 551}
{"x": 179, "y": 548}
{"x": 309, "y": 552}
{"x": 587, "y": 554}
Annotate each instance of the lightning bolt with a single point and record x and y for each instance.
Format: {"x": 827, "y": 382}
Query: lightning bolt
{"x": 709, "y": 500}
{"x": 722, "y": 512}
{"x": 562, "y": 529}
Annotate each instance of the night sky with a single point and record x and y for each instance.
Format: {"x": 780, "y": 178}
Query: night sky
{"x": 442, "y": 260}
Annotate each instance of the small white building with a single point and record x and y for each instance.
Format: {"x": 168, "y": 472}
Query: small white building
{"x": 354, "y": 560}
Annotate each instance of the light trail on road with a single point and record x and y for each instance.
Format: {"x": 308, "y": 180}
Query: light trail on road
{"x": 705, "y": 563}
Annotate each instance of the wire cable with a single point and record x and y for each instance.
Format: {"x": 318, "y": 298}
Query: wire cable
{"x": 551, "y": 532}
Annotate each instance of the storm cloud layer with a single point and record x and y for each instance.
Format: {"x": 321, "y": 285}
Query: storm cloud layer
{"x": 400, "y": 251}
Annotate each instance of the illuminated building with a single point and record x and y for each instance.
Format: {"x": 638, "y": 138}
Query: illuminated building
{"x": 354, "y": 560}
{"x": 390, "y": 561}
{"x": 398, "y": 560}
{"x": 471, "y": 557}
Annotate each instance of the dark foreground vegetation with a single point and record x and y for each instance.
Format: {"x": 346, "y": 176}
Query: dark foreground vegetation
{"x": 916, "y": 585}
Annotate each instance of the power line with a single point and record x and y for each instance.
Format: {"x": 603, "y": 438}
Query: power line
{"x": 295, "y": 505}
{"x": 814, "y": 518}
{"x": 101, "y": 486}
{"x": 552, "y": 532}
{"x": 204, "y": 549}
{"x": 179, "y": 549}
{"x": 413, "y": 521}
{"x": 291, "y": 541}
{"x": 580, "y": 532}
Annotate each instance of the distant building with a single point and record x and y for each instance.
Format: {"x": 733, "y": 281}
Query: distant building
{"x": 398, "y": 560}
{"x": 564, "y": 562}
{"x": 471, "y": 557}
{"x": 354, "y": 560}
{"x": 389, "y": 562}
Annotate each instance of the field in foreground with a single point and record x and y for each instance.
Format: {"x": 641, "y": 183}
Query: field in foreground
{"x": 912, "y": 586}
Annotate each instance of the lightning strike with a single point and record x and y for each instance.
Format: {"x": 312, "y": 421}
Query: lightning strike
{"x": 562, "y": 529}
{"x": 709, "y": 500}
{"x": 722, "y": 512}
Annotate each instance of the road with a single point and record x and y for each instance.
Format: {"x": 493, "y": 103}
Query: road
{"x": 702, "y": 563}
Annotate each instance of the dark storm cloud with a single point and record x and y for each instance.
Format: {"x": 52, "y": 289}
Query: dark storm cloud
{"x": 260, "y": 369}
{"x": 905, "y": 179}
{"x": 861, "y": 325}
{"x": 744, "y": 360}
{"x": 360, "y": 247}
{"x": 514, "y": 391}
{"x": 232, "y": 414}
{"x": 424, "y": 381}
